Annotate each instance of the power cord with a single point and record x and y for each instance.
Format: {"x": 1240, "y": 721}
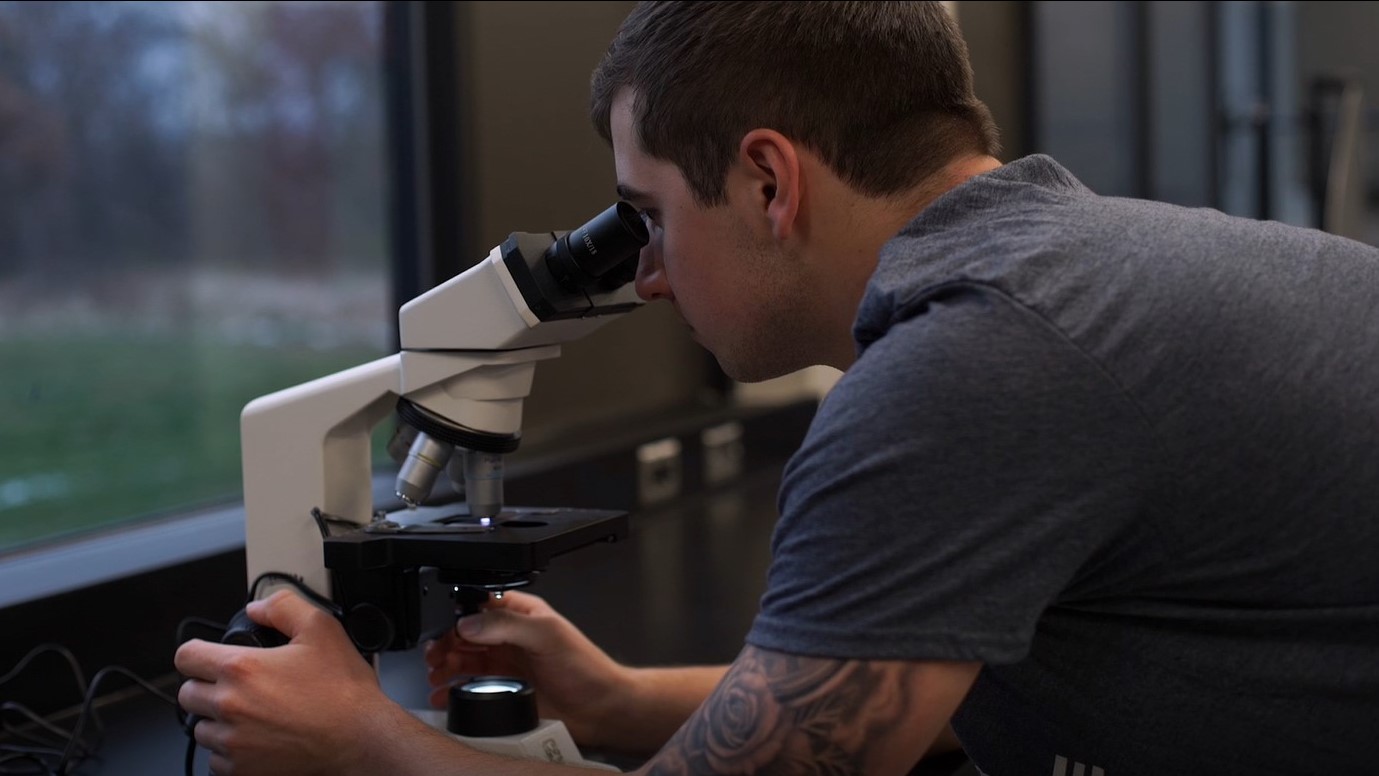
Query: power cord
{"x": 44, "y": 742}
{"x": 38, "y": 746}
{"x": 188, "y": 721}
{"x": 278, "y": 576}
{"x": 52, "y": 750}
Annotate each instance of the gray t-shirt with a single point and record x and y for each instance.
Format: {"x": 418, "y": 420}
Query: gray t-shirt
{"x": 1124, "y": 453}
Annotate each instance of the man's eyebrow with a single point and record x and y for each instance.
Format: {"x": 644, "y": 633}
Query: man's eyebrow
{"x": 630, "y": 194}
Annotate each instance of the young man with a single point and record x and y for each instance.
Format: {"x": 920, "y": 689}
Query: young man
{"x": 1098, "y": 485}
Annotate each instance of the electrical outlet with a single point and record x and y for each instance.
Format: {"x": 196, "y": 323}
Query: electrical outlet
{"x": 660, "y": 473}
{"x": 723, "y": 452}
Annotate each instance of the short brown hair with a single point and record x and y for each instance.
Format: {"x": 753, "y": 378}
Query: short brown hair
{"x": 881, "y": 91}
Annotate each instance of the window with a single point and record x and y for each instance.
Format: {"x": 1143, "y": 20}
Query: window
{"x": 192, "y": 214}
{"x": 227, "y": 215}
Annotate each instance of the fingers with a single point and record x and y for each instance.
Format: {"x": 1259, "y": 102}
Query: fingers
{"x": 436, "y": 651}
{"x": 199, "y": 700}
{"x": 462, "y": 662}
{"x": 288, "y": 613}
{"x": 531, "y": 632}
{"x": 434, "y": 654}
{"x": 523, "y": 621}
{"x": 197, "y": 697}
{"x": 441, "y": 674}
{"x": 439, "y": 697}
{"x": 444, "y": 654}
{"x": 210, "y": 734}
{"x": 517, "y": 601}
{"x": 442, "y": 667}
{"x": 204, "y": 660}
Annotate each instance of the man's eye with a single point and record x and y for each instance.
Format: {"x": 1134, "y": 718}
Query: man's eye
{"x": 649, "y": 218}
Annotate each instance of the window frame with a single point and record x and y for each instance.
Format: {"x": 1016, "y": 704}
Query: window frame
{"x": 117, "y": 595}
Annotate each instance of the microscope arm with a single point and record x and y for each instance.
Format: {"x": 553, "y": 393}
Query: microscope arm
{"x": 308, "y": 447}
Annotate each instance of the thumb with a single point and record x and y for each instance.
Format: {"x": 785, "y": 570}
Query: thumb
{"x": 288, "y": 613}
{"x": 532, "y": 633}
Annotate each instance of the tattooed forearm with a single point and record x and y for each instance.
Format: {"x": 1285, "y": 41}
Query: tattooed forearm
{"x": 784, "y": 714}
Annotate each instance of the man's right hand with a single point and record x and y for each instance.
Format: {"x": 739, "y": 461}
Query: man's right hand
{"x": 521, "y": 635}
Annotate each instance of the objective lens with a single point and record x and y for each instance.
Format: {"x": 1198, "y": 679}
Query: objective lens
{"x": 417, "y": 475}
{"x": 483, "y": 483}
{"x": 580, "y": 257}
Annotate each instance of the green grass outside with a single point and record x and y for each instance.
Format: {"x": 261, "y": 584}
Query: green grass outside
{"x": 99, "y": 430}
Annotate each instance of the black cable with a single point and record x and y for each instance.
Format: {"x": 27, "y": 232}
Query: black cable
{"x": 58, "y": 751}
{"x": 190, "y": 765}
{"x": 53, "y": 746}
{"x": 79, "y": 676}
{"x": 25, "y": 712}
{"x": 30, "y": 751}
{"x": 218, "y": 628}
{"x": 278, "y": 576}
{"x": 324, "y": 520}
{"x": 65, "y": 653}
{"x": 9, "y": 758}
{"x": 88, "y": 708}
{"x": 13, "y": 753}
{"x": 66, "y": 750}
{"x": 184, "y": 720}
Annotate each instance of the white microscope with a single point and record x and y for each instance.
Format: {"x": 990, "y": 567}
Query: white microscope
{"x": 469, "y": 350}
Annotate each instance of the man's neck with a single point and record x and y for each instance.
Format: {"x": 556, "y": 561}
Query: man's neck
{"x": 954, "y": 174}
{"x": 876, "y": 225}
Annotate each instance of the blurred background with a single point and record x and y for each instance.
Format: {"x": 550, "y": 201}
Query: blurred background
{"x": 204, "y": 202}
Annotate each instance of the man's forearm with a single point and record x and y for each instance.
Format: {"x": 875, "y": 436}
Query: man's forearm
{"x": 776, "y": 712}
{"x": 661, "y": 700}
{"x": 658, "y": 702}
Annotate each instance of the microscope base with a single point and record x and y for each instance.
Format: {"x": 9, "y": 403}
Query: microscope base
{"x": 548, "y": 741}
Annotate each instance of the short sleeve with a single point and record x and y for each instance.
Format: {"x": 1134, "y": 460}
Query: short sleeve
{"x": 957, "y": 481}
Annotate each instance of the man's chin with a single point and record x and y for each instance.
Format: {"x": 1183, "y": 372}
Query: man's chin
{"x": 754, "y": 372}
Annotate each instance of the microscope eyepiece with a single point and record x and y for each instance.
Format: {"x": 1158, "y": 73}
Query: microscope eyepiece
{"x": 608, "y": 241}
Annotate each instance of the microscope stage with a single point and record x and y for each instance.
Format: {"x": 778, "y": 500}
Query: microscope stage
{"x": 520, "y": 541}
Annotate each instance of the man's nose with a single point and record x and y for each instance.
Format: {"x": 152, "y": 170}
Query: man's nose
{"x": 651, "y": 275}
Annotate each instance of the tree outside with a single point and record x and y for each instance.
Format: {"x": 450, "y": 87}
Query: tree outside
{"x": 192, "y": 214}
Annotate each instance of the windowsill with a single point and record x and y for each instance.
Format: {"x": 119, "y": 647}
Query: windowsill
{"x": 103, "y": 556}
{"x": 116, "y": 553}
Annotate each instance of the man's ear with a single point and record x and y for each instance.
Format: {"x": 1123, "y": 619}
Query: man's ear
{"x": 773, "y": 170}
